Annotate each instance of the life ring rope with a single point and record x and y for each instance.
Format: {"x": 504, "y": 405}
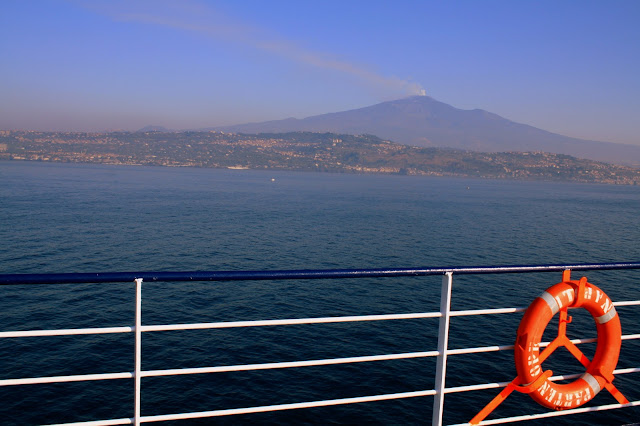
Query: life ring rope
{"x": 531, "y": 379}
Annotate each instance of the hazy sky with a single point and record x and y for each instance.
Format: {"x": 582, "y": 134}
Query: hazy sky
{"x": 572, "y": 67}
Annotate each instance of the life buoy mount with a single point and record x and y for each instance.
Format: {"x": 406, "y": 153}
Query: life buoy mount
{"x": 528, "y": 359}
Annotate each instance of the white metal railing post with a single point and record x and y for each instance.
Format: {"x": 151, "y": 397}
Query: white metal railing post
{"x": 443, "y": 340}
{"x": 138, "y": 352}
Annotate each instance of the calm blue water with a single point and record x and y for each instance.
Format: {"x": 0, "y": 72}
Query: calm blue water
{"x": 92, "y": 218}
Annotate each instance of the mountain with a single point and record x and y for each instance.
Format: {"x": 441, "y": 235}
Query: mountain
{"x": 424, "y": 121}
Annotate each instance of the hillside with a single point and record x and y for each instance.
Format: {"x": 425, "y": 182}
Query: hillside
{"x": 303, "y": 151}
{"x": 424, "y": 121}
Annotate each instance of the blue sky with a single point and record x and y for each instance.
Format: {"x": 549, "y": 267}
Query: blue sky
{"x": 571, "y": 67}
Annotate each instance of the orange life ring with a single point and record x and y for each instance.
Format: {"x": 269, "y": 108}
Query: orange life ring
{"x": 568, "y": 294}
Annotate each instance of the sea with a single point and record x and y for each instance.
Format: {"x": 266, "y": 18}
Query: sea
{"x": 57, "y": 217}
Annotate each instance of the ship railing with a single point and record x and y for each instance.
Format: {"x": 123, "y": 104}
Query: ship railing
{"x": 442, "y": 352}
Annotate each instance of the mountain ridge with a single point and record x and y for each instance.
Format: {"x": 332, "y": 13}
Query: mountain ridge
{"x": 427, "y": 122}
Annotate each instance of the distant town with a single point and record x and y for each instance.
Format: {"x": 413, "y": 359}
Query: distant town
{"x": 302, "y": 151}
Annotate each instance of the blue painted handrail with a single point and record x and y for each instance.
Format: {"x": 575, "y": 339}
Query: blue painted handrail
{"x": 166, "y": 276}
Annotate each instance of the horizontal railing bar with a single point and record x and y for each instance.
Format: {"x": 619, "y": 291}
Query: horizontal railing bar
{"x": 458, "y": 351}
{"x": 627, "y": 303}
{"x": 112, "y": 277}
{"x": 334, "y": 402}
{"x": 292, "y": 364}
{"x": 486, "y": 312}
{"x": 587, "y": 340}
{"x": 224, "y": 324}
{"x": 521, "y": 309}
{"x": 201, "y": 414}
{"x": 234, "y": 324}
{"x": 292, "y": 321}
{"x": 282, "y": 407}
{"x": 542, "y": 344}
{"x": 626, "y": 370}
{"x": 554, "y": 414}
{"x": 219, "y": 369}
{"x": 325, "y": 403}
{"x": 480, "y": 349}
{"x": 485, "y": 386}
{"x": 111, "y": 422}
{"x": 260, "y": 409}
{"x": 274, "y": 365}
{"x": 67, "y": 332}
{"x": 64, "y": 379}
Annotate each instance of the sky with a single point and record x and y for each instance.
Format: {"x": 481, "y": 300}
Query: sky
{"x": 567, "y": 66}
